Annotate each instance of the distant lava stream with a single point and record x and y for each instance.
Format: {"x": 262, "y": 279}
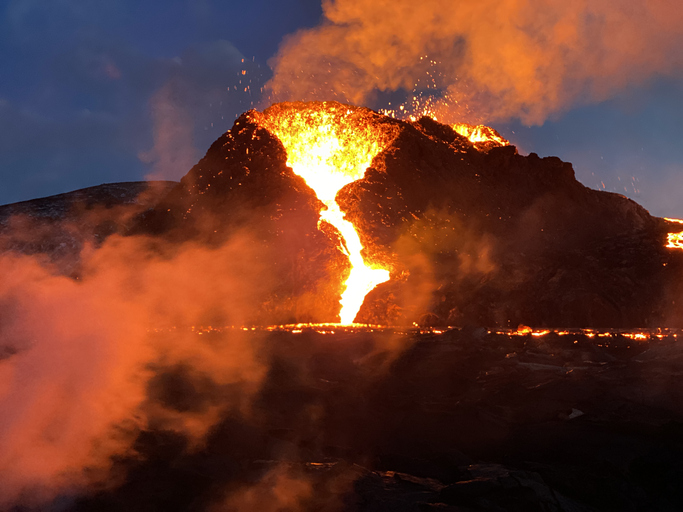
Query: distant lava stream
{"x": 471, "y": 232}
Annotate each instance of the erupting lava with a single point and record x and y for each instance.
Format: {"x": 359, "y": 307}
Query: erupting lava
{"x": 480, "y": 134}
{"x": 330, "y": 147}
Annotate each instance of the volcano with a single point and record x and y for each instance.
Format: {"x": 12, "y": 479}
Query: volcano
{"x": 469, "y": 231}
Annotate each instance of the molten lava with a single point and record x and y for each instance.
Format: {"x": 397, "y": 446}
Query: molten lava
{"x": 675, "y": 240}
{"x": 330, "y": 147}
{"x": 480, "y": 134}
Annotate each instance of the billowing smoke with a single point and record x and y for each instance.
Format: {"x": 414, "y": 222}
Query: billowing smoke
{"x": 481, "y": 60}
{"x": 85, "y": 363}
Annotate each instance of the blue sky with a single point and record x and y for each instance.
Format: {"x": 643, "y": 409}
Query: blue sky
{"x": 94, "y": 92}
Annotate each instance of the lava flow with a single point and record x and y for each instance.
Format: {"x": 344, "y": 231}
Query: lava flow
{"x": 675, "y": 240}
{"x": 330, "y": 147}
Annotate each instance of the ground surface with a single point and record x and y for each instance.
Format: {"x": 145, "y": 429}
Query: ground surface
{"x": 461, "y": 420}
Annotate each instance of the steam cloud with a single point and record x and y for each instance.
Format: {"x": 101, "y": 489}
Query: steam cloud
{"x": 77, "y": 356}
{"x": 173, "y": 153}
{"x": 481, "y": 60}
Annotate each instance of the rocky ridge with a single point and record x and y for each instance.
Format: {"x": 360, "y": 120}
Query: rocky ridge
{"x": 57, "y": 227}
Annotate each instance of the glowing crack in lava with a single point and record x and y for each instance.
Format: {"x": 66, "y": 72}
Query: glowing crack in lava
{"x": 675, "y": 240}
{"x": 330, "y": 146}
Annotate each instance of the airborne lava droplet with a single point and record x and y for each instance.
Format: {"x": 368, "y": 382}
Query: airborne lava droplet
{"x": 330, "y": 146}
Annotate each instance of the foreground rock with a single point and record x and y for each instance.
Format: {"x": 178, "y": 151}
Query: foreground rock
{"x": 382, "y": 421}
{"x": 480, "y": 236}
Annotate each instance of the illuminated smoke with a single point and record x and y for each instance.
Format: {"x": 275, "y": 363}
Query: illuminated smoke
{"x": 480, "y": 61}
{"x": 76, "y": 356}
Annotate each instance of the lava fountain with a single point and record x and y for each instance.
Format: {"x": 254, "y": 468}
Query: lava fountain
{"x": 330, "y": 147}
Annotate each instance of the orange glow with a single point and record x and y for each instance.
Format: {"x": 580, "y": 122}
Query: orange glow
{"x": 675, "y": 240}
{"x": 639, "y": 336}
{"x": 330, "y": 146}
{"x": 642, "y": 335}
{"x": 480, "y": 134}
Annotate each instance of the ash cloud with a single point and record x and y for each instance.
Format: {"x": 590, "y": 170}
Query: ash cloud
{"x": 481, "y": 61}
{"x": 279, "y": 489}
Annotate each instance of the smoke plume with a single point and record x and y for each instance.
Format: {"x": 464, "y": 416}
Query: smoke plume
{"x": 480, "y": 60}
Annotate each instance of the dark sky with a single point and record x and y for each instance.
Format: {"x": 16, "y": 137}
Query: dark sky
{"x": 94, "y": 92}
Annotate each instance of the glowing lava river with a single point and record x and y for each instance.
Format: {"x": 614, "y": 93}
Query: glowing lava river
{"x": 329, "y": 149}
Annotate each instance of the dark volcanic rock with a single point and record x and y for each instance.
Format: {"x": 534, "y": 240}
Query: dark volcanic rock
{"x": 57, "y": 227}
{"x": 506, "y": 239}
{"x": 66, "y": 206}
{"x": 471, "y": 236}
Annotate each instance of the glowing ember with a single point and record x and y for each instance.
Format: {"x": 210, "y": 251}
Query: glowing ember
{"x": 480, "y": 134}
{"x": 675, "y": 240}
{"x": 523, "y": 330}
{"x": 640, "y": 335}
{"x": 604, "y": 335}
{"x": 330, "y": 146}
{"x": 635, "y": 335}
